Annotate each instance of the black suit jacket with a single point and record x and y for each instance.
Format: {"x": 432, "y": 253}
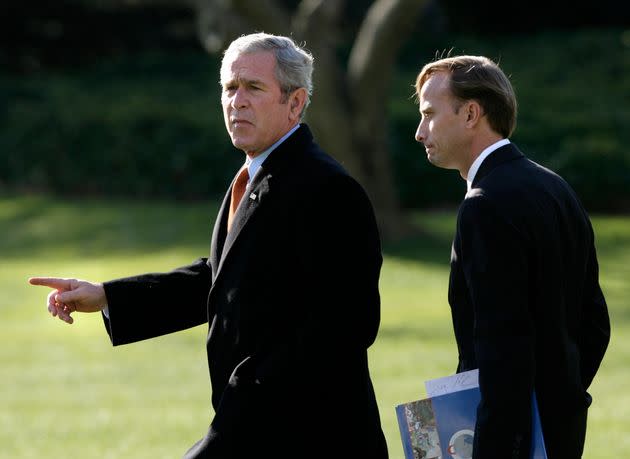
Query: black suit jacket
{"x": 292, "y": 301}
{"x": 527, "y": 306}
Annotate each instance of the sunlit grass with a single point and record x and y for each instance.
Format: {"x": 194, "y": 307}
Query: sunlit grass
{"x": 66, "y": 392}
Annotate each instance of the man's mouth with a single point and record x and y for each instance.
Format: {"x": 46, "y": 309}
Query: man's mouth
{"x": 240, "y": 122}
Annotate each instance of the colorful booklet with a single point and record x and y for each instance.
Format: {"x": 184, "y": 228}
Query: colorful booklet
{"x": 442, "y": 425}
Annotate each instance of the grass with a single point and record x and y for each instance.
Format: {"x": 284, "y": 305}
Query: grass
{"x": 65, "y": 392}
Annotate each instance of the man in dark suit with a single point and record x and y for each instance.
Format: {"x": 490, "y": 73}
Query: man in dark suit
{"x": 526, "y": 303}
{"x": 290, "y": 289}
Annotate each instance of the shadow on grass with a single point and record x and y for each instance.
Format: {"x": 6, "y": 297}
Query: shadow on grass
{"x": 36, "y": 225}
{"x": 419, "y": 332}
{"x": 431, "y": 240}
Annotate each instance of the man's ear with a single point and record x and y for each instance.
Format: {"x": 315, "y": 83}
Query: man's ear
{"x": 474, "y": 112}
{"x": 297, "y": 99}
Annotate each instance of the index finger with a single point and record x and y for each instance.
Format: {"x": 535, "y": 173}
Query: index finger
{"x": 53, "y": 282}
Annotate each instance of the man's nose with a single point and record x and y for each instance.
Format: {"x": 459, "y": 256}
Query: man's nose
{"x": 239, "y": 100}
{"x": 419, "y": 137}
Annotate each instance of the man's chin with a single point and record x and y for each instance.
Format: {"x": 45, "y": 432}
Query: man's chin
{"x": 241, "y": 144}
{"x": 433, "y": 160}
{"x": 437, "y": 162}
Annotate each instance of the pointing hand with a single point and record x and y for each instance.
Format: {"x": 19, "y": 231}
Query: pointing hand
{"x": 71, "y": 295}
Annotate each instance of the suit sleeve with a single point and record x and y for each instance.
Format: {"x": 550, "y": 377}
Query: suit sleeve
{"x": 495, "y": 266}
{"x": 595, "y": 333}
{"x": 154, "y": 304}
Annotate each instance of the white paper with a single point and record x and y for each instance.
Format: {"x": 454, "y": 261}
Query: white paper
{"x": 452, "y": 383}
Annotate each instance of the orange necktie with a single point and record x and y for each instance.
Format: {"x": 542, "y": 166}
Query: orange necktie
{"x": 238, "y": 189}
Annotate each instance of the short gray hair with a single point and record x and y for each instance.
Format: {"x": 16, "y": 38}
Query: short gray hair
{"x": 294, "y": 65}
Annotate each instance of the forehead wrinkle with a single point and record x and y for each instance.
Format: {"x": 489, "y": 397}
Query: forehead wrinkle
{"x": 242, "y": 80}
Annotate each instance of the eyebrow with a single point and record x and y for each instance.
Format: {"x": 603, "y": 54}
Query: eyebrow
{"x": 244, "y": 81}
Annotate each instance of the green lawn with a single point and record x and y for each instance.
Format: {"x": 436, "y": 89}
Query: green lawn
{"x": 65, "y": 392}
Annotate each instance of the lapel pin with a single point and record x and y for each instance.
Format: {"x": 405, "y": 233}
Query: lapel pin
{"x": 252, "y": 196}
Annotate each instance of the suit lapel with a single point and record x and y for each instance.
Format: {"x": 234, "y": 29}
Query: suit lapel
{"x": 219, "y": 234}
{"x": 253, "y": 198}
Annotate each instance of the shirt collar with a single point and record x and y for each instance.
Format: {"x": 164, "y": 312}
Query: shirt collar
{"x": 477, "y": 162}
{"x": 253, "y": 164}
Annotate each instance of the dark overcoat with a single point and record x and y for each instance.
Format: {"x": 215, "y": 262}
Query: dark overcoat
{"x": 291, "y": 297}
{"x": 527, "y": 307}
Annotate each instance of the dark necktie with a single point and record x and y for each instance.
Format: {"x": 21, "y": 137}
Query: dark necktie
{"x": 238, "y": 189}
